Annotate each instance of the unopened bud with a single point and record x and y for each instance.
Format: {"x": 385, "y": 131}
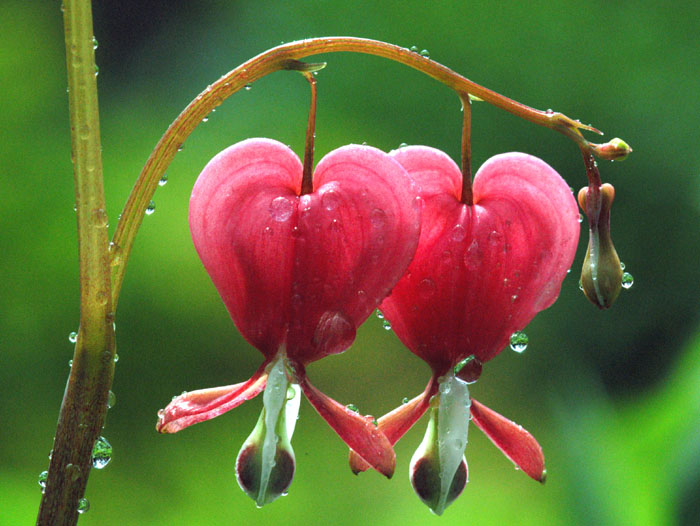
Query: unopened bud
{"x": 601, "y": 276}
{"x": 613, "y": 150}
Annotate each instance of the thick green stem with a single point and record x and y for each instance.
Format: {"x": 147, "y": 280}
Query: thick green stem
{"x": 85, "y": 399}
{"x": 287, "y": 56}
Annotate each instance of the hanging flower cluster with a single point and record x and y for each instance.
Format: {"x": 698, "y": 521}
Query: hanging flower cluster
{"x": 457, "y": 267}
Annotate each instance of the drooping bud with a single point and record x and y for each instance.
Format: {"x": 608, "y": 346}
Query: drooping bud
{"x": 601, "y": 276}
{"x": 438, "y": 469}
{"x": 613, "y": 150}
{"x": 265, "y": 465}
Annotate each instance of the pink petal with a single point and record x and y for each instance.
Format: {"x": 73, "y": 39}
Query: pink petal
{"x": 481, "y": 272}
{"x": 302, "y": 272}
{"x": 515, "y": 442}
{"x": 357, "y": 431}
{"x": 205, "y": 404}
{"x": 396, "y": 423}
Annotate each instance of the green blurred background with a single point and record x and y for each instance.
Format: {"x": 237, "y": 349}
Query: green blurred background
{"x": 613, "y": 397}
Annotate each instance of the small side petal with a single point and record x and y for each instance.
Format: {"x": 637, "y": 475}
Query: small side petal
{"x": 205, "y": 404}
{"x": 358, "y": 432}
{"x": 396, "y": 423}
{"x": 515, "y": 442}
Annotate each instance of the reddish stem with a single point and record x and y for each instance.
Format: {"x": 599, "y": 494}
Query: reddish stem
{"x": 467, "y": 196}
{"x": 307, "y": 179}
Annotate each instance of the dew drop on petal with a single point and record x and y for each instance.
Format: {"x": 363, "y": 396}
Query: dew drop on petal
{"x": 472, "y": 256}
{"x": 379, "y": 314}
{"x": 281, "y": 209}
{"x": 101, "y": 453}
{"x": 386, "y": 324}
{"x": 330, "y": 200}
{"x": 627, "y": 280}
{"x": 427, "y": 288}
{"x": 353, "y": 408}
{"x": 377, "y": 218}
{"x": 580, "y": 284}
{"x": 518, "y": 341}
{"x": 495, "y": 238}
{"x": 458, "y": 233}
{"x": 405, "y": 400}
{"x": 580, "y": 218}
{"x": 403, "y": 145}
{"x": 150, "y": 208}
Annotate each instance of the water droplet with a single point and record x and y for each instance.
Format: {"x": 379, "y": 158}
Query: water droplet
{"x": 150, "y": 208}
{"x": 518, "y": 341}
{"x": 281, "y": 209}
{"x": 97, "y": 70}
{"x": 111, "y": 400}
{"x": 83, "y": 505}
{"x": 70, "y": 363}
{"x": 43, "y": 476}
{"x": 424, "y": 53}
{"x": 353, "y": 408}
{"x": 427, "y": 288}
{"x": 580, "y": 218}
{"x": 495, "y": 238}
{"x": 458, "y": 233}
{"x": 73, "y": 471}
{"x": 414, "y": 49}
{"x": 116, "y": 357}
{"x": 99, "y": 218}
{"x": 73, "y": 337}
{"x": 115, "y": 254}
{"x": 580, "y": 284}
{"x": 163, "y": 180}
{"x": 378, "y": 218}
{"x": 405, "y": 400}
{"x": 330, "y": 200}
{"x": 627, "y": 280}
{"x": 205, "y": 119}
{"x": 101, "y": 453}
{"x": 94, "y": 43}
{"x": 335, "y": 225}
{"x": 386, "y": 324}
{"x": 469, "y": 369}
{"x": 180, "y": 147}
{"x": 379, "y": 314}
{"x": 248, "y": 87}
{"x": 622, "y": 265}
{"x": 472, "y": 258}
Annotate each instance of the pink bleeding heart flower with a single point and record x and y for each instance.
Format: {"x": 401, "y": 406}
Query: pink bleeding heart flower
{"x": 481, "y": 272}
{"x": 298, "y": 274}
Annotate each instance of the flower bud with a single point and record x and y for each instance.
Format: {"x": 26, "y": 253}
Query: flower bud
{"x": 613, "y": 150}
{"x": 265, "y": 465}
{"x": 601, "y": 276}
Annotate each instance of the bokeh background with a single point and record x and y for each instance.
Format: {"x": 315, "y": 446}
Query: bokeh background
{"x": 613, "y": 397}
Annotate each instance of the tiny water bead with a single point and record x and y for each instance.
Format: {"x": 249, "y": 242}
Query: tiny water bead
{"x": 518, "y": 341}
{"x": 111, "y": 400}
{"x": 101, "y": 453}
{"x": 627, "y": 280}
{"x": 622, "y": 265}
{"x": 150, "y": 208}
{"x": 83, "y": 505}
{"x": 353, "y": 408}
{"x": 43, "y": 476}
{"x": 386, "y": 324}
{"x": 424, "y": 53}
{"x": 248, "y": 87}
{"x": 73, "y": 337}
{"x": 405, "y": 400}
{"x": 379, "y": 314}
{"x": 94, "y": 43}
{"x": 163, "y": 180}
{"x": 281, "y": 209}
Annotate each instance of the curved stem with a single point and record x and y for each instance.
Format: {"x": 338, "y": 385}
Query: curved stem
{"x": 85, "y": 399}
{"x": 287, "y": 56}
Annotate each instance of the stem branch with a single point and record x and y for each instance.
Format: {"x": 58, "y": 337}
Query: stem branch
{"x": 85, "y": 399}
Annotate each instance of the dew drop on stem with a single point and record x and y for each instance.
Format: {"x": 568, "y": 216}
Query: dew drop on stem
{"x": 73, "y": 337}
{"x": 150, "y": 208}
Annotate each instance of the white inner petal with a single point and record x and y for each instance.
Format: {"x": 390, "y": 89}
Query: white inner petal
{"x": 453, "y": 424}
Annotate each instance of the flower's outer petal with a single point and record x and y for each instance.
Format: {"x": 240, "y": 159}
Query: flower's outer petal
{"x": 357, "y": 431}
{"x": 515, "y": 442}
{"x": 198, "y": 406}
{"x": 242, "y": 213}
{"x": 481, "y": 272}
{"x": 357, "y": 233}
{"x": 301, "y": 273}
{"x": 396, "y": 423}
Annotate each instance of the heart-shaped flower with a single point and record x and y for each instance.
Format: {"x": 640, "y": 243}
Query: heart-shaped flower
{"x": 298, "y": 274}
{"x": 481, "y": 272}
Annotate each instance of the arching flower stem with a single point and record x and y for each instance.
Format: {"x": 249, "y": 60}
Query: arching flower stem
{"x": 287, "y": 57}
